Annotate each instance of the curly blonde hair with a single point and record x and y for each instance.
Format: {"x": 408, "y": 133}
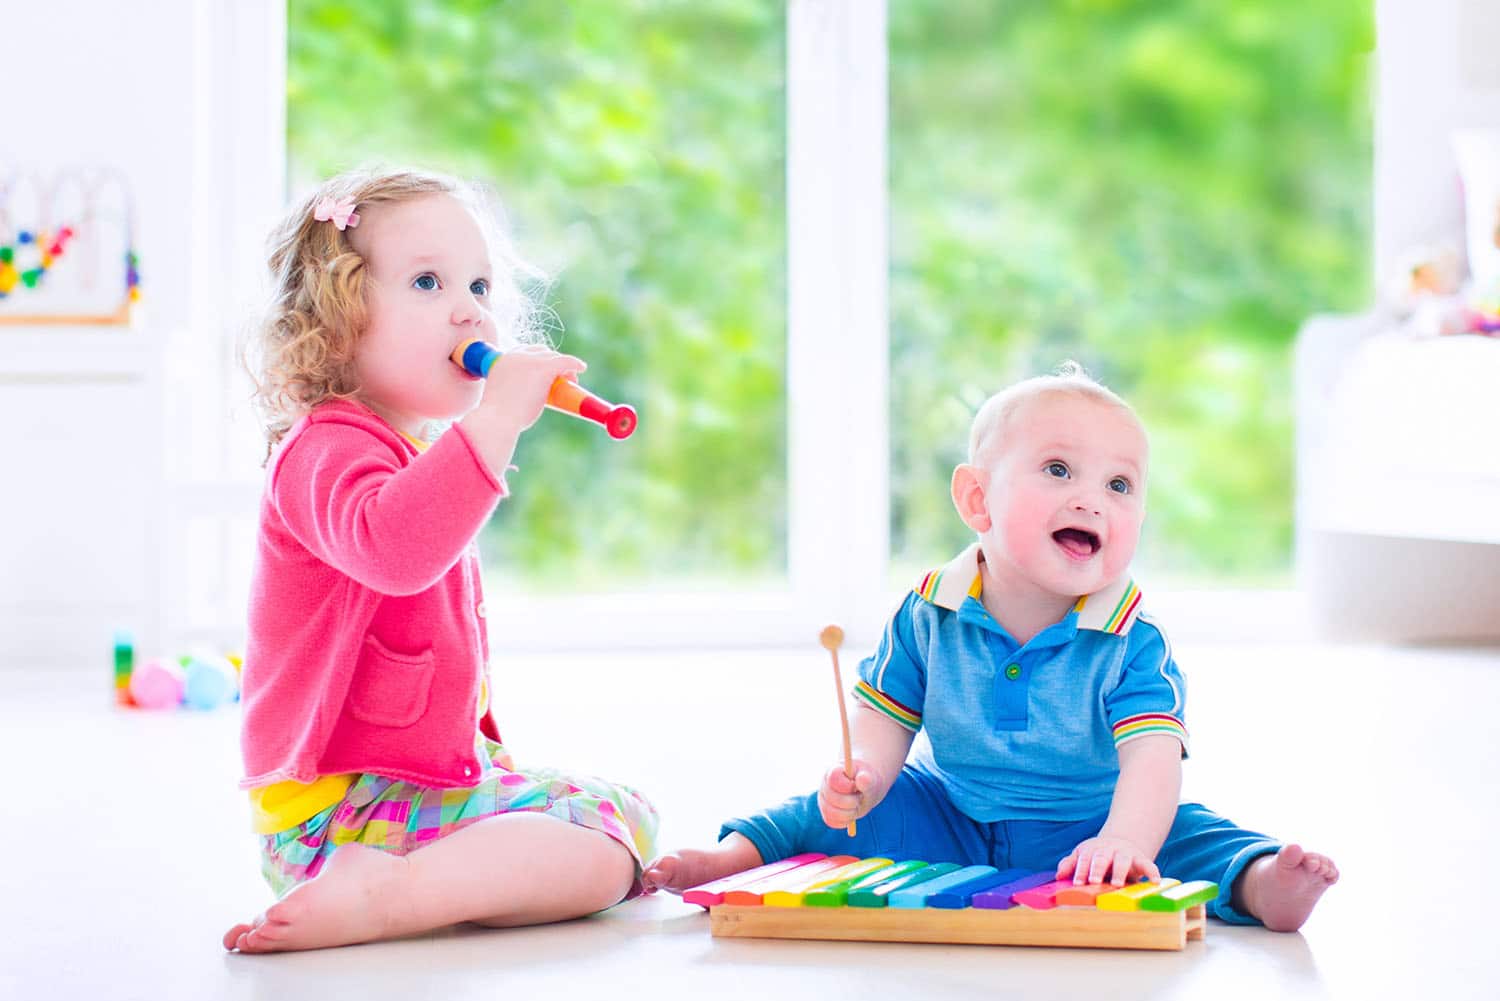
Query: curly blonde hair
{"x": 302, "y": 352}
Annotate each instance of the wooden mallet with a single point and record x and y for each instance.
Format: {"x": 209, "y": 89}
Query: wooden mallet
{"x": 832, "y": 637}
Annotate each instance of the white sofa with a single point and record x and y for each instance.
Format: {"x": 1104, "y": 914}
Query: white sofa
{"x": 1398, "y": 480}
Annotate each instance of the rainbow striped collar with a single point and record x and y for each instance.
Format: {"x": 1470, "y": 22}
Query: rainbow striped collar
{"x": 1111, "y": 610}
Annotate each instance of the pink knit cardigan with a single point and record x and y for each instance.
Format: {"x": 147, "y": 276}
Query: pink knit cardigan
{"x": 367, "y": 643}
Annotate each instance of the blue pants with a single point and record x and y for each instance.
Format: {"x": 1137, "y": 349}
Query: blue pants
{"x": 916, "y": 820}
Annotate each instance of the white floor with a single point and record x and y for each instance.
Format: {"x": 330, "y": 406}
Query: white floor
{"x": 127, "y": 851}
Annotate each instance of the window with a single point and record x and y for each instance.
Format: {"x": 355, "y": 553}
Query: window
{"x": 638, "y": 149}
{"x": 1163, "y": 192}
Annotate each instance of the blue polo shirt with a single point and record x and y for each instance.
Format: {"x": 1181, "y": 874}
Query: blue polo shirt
{"x": 1019, "y": 732}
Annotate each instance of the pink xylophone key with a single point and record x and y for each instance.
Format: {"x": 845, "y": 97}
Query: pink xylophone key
{"x": 750, "y": 894}
{"x": 1002, "y": 897}
{"x": 1044, "y": 897}
{"x": 711, "y": 894}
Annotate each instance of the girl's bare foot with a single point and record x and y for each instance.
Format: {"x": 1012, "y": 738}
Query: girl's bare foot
{"x": 1282, "y": 889}
{"x": 354, "y": 899}
{"x": 692, "y": 867}
{"x": 513, "y": 869}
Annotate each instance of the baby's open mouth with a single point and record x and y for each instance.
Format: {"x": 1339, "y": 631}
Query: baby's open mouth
{"x": 1076, "y": 542}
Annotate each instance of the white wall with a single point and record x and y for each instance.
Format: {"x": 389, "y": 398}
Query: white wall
{"x": 1438, "y": 70}
{"x": 91, "y": 520}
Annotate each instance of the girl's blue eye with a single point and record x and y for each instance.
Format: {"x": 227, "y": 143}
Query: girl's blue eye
{"x": 1057, "y": 469}
{"x": 1120, "y": 485}
{"x": 426, "y": 282}
{"x": 479, "y": 287}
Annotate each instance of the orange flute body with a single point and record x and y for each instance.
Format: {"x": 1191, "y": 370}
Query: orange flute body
{"x": 476, "y": 357}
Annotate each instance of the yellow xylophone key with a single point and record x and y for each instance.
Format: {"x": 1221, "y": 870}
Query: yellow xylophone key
{"x": 1129, "y": 898}
{"x": 750, "y": 894}
{"x": 791, "y": 893}
{"x": 1084, "y": 895}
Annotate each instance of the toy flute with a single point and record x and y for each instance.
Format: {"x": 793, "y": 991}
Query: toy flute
{"x": 476, "y": 357}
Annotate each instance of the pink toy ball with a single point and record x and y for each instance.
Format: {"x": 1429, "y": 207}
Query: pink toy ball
{"x": 157, "y": 684}
{"x": 208, "y": 681}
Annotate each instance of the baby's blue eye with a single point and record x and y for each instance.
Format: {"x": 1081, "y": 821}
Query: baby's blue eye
{"x": 1057, "y": 469}
{"x": 426, "y": 282}
{"x": 1120, "y": 485}
{"x": 479, "y": 287}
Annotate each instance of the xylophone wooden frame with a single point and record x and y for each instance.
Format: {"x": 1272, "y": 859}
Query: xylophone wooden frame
{"x": 1077, "y": 927}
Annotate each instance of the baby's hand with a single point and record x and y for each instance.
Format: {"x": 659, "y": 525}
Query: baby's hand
{"x": 518, "y": 383}
{"x": 1092, "y": 861}
{"x": 843, "y": 799}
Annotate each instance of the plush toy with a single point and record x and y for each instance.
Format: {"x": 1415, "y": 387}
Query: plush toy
{"x": 1425, "y": 272}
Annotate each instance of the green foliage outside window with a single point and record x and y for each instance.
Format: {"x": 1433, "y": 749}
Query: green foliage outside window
{"x": 638, "y": 147}
{"x": 1162, "y": 191}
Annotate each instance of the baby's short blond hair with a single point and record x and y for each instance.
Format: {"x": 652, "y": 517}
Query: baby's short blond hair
{"x": 988, "y": 429}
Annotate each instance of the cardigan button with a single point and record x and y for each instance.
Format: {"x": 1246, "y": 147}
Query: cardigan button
{"x": 468, "y": 771}
{"x": 479, "y": 610}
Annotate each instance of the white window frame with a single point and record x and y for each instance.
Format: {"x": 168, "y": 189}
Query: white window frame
{"x": 837, "y": 379}
{"x": 212, "y": 480}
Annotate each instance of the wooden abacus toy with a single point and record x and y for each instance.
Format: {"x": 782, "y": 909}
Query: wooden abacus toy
{"x": 813, "y": 896}
{"x": 67, "y": 248}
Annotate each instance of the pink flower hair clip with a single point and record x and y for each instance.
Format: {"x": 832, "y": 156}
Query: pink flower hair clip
{"x": 341, "y": 214}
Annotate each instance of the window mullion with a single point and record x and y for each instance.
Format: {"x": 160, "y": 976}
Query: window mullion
{"x": 838, "y": 337}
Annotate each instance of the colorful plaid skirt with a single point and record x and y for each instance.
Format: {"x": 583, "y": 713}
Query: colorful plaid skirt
{"x": 401, "y": 817}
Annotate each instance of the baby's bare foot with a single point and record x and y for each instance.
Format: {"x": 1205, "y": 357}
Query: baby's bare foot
{"x": 684, "y": 870}
{"x": 354, "y": 899}
{"x": 1281, "y": 890}
{"x": 692, "y": 867}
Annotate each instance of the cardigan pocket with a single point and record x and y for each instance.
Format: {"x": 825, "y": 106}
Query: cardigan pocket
{"x": 390, "y": 688}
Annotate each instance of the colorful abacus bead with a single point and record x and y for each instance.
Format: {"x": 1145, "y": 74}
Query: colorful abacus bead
{"x": 132, "y": 276}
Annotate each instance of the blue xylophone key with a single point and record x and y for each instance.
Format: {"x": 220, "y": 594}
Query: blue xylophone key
{"x": 916, "y": 896}
{"x": 998, "y": 898}
{"x": 957, "y": 897}
{"x": 879, "y": 896}
{"x": 837, "y": 894}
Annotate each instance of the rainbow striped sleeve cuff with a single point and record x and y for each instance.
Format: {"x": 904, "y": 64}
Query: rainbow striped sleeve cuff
{"x": 883, "y": 703}
{"x": 1146, "y": 724}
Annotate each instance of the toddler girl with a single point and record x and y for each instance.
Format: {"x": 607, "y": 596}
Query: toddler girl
{"x": 384, "y": 800}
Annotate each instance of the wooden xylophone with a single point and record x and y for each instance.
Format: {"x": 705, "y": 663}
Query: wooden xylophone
{"x": 814, "y": 896}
